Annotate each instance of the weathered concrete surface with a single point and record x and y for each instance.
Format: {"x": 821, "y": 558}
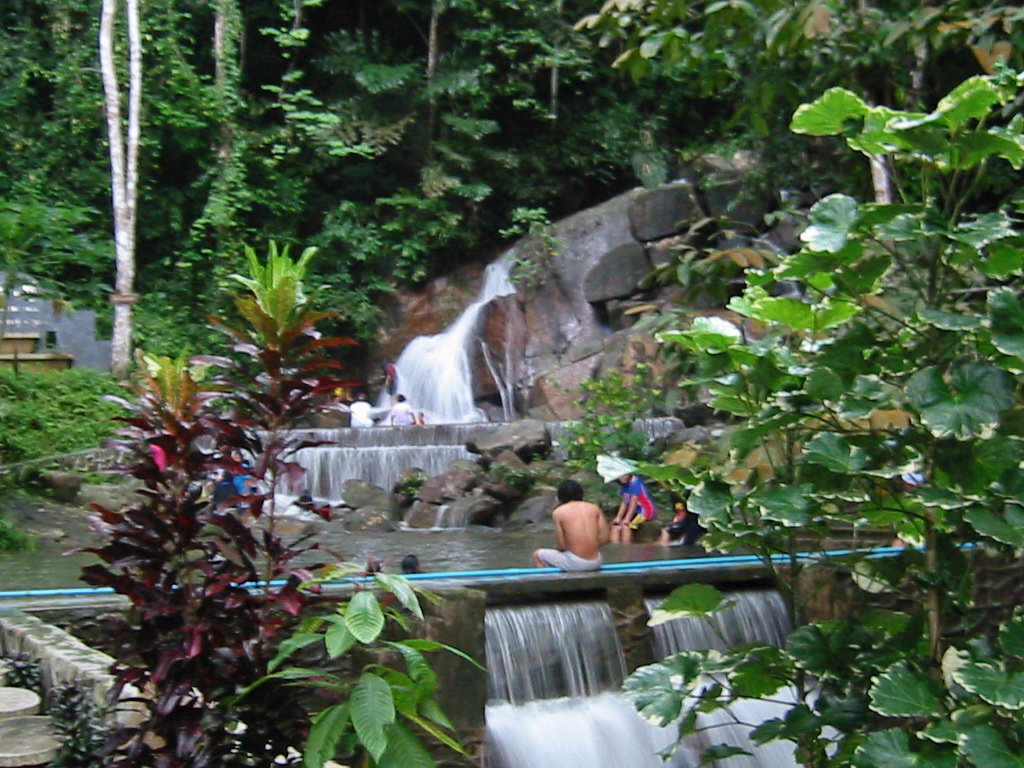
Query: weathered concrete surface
{"x": 27, "y": 740}
{"x": 63, "y": 657}
{"x": 18, "y": 702}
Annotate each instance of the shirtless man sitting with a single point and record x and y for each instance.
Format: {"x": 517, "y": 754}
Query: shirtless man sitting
{"x": 581, "y": 529}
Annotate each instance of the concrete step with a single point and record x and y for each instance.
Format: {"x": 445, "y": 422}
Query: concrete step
{"x": 27, "y": 741}
{"x": 15, "y": 702}
{"x": 37, "y": 361}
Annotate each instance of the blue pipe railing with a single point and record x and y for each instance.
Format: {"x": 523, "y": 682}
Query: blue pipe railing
{"x": 685, "y": 564}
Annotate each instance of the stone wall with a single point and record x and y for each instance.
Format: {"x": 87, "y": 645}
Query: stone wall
{"x": 62, "y": 656}
{"x": 89, "y": 460}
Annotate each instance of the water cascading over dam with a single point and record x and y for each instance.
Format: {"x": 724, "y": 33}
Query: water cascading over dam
{"x": 554, "y": 675}
{"x": 379, "y": 455}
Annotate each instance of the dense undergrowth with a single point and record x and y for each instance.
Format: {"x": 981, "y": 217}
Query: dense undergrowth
{"x": 53, "y": 412}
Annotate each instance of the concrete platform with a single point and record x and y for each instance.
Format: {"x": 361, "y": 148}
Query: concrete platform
{"x": 15, "y": 702}
{"x": 26, "y": 741}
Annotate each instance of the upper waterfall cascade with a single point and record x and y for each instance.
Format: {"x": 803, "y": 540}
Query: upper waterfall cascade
{"x": 433, "y": 372}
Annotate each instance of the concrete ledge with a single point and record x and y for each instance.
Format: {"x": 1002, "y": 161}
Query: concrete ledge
{"x": 63, "y": 657}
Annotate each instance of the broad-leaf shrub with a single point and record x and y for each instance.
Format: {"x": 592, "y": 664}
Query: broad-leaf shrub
{"x": 903, "y": 355}
{"x": 374, "y": 714}
{"x": 213, "y": 586}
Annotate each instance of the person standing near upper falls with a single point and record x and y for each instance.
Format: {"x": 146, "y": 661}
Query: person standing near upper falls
{"x": 580, "y": 531}
{"x": 361, "y": 411}
{"x": 402, "y": 414}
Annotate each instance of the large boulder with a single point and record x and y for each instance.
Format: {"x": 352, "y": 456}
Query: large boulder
{"x": 63, "y": 486}
{"x": 617, "y": 274}
{"x": 358, "y": 494}
{"x": 422, "y": 515}
{"x": 502, "y": 331}
{"x": 556, "y": 392}
{"x": 526, "y": 438}
{"x": 460, "y": 478}
{"x": 531, "y": 510}
{"x": 369, "y": 519}
{"x": 476, "y": 509}
{"x": 664, "y": 211}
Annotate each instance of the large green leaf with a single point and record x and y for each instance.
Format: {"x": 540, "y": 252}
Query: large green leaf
{"x": 985, "y": 229}
{"x": 419, "y": 668}
{"x": 404, "y": 750}
{"x": 364, "y": 617}
{"x": 1011, "y": 637}
{"x": 1008, "y": 529}
{"x": 372, "y": 710}
{"x": 788, "y": 505}
{"x": 402, "y": 589}
{"x": 1006, "y": 314}
{"x": 659, "y": 690}
{"x": 987, "y": 748}
{"x": 949, "y": 321}
{"x": 832, "y": 220}
{"x": 687, "y": 602}
{"x": 707, "y": 334}
{"x": 338, "y": 639}
{"x": 993, "y": 684}
{"x": 328, "y": 728}
{"x": 712, "y": 501}
{"x": 891, "y": 749}
{"x": 971, "y": 100}
{"x": 829, "y": 114}
{"x": 971, "y": 148}
{"x": 902, "y": 692}
{"x": 966, "y": 405}
{"x": 1002, "y": 259}
{"x": 834, "y": 452}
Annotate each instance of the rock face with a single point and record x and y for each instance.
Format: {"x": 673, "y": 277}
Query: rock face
{"x": 526, "y": 439}
{"x": 589, "y": 279}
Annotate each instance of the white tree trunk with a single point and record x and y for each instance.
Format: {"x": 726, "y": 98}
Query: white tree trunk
{"x": 881, "y": 181}
{"x": 124, "y": 156}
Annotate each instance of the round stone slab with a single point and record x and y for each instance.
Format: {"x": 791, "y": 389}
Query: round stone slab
{"x": 15, "y": 702}
{"x": 27, "y": 740}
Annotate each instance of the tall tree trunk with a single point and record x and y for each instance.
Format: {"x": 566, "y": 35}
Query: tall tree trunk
{"x": 433, "y": 47}
{"x": 124, "y": 156}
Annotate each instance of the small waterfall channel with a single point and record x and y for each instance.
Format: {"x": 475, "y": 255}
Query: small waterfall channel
{"x": 555, "y": 671}
{"x": 379, "y": 455}
{"x": 433, "y": 372}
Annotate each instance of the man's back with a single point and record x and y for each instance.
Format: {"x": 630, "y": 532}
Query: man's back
{"x": 581, "y": 528}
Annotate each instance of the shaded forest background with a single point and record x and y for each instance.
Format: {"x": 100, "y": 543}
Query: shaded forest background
{"x": 406, "y": 138}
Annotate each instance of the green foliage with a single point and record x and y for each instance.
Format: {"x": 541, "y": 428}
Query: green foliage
{"x": 533, "y": 260}
{"x": 383, "y": 713}
{"x": 901, "y": 356}
{"x": 24, "y": 671}
{"x": 50, "y": 412}
{"x": 78, "y": 720}
{"x": 12, "y": 538}
{"x": 611, "y": 405}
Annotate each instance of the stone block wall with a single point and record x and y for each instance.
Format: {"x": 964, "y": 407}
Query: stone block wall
{"x": 62, "y": 656}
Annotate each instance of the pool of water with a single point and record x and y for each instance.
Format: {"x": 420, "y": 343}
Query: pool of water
{"x": 52, "y": 565}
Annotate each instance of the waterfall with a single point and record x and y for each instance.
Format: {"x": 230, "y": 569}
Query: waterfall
{"x": 754, "y": 616}
{"x": 553, "y": 671}
{"x": 378, "y": 455}
{"x": 433, "y": 371}
{"x": 546, "y": 651}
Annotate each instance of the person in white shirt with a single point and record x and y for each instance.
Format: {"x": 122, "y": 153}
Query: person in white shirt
{"x": 402, "y": 413}
{"x": 360, "y": 412}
